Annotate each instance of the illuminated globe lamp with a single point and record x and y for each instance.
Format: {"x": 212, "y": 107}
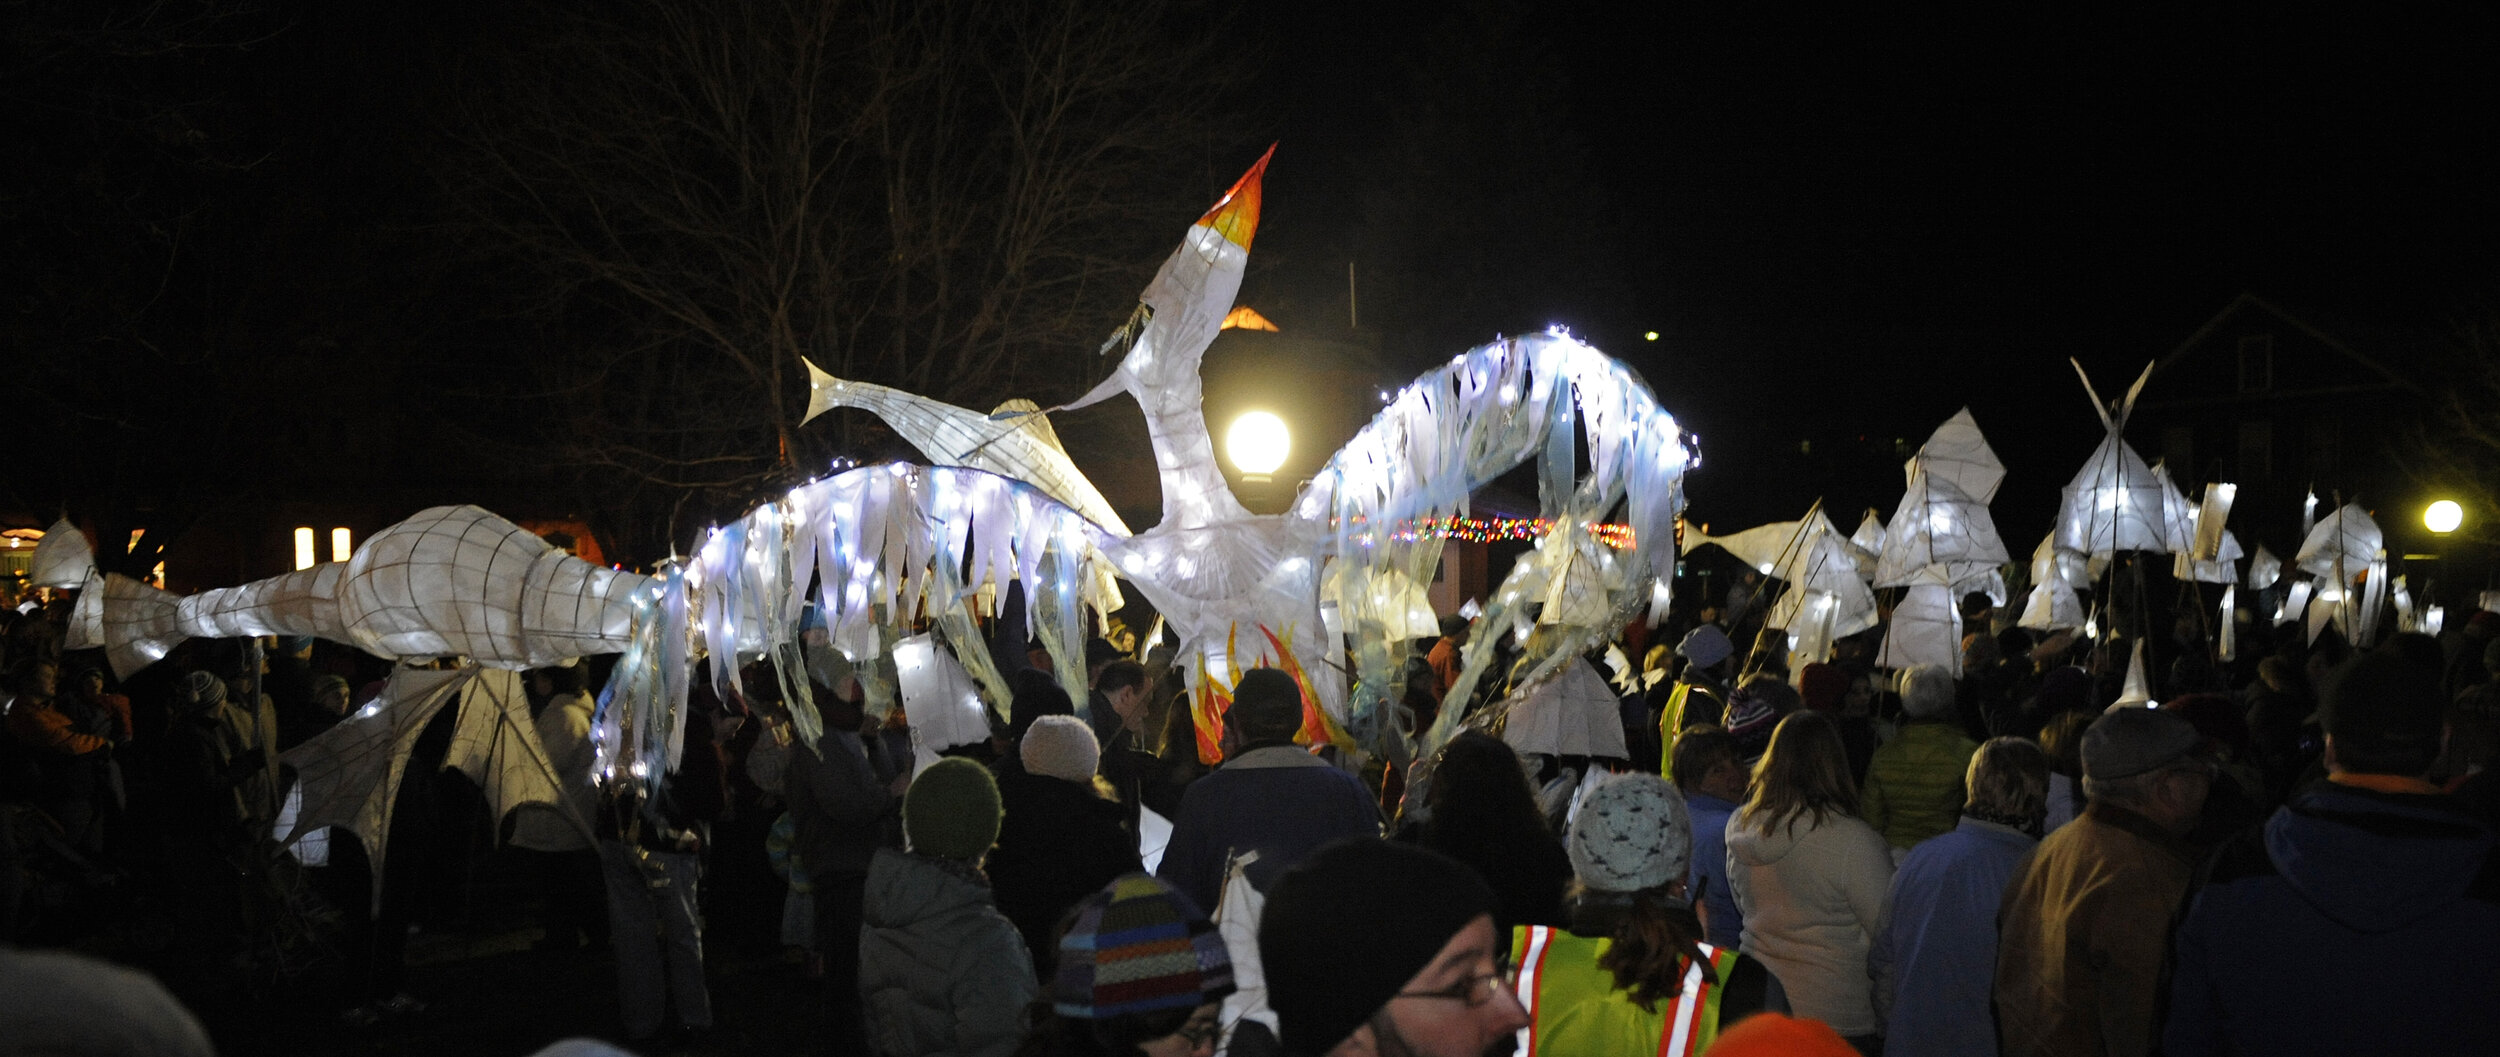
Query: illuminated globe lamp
{"x": 2443, "y": 517}
{"x": 1258, "y": 443}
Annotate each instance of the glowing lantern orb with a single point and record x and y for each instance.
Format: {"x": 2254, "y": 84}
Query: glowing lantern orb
{"x": 1258, "y": 442}
{"x": 2443, "y": 516}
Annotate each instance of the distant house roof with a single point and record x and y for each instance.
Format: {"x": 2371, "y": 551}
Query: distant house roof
{"x": 2245, "y": 303}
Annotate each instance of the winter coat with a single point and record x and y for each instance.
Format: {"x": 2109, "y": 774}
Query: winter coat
{"x": 2083, "y": 933}
{"x": 229, "y": 755}
{"x": 1529, "y": 873}
{"x": 2275, "y": 720}
{"x": 1279, "y": 800}
{"x": 838, "y": 805}
{"x": 940, "y": 971}
{"x": 564, "y": 730}
{"x": 1576, "y": 1008}
{"x": 1914, "y": 782}
{"x": 1058, "y": 843}
{"x": 1812, "y": 895}
{"x": 1935, "y": 954}
{"x": 1687, "y": 704}
{"x": 70, "y": 755}
{"x": 1709, "y": 814}
{"x": 2352, "y": 921}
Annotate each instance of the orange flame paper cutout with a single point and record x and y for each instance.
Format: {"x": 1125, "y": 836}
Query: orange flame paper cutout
{"x": 1206, "y": 715}
{"x": 1317, "y": 727}
{"x": 1236, "y": 215}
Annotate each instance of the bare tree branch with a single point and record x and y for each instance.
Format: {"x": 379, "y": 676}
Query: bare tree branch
{"x": 944, "y": 196}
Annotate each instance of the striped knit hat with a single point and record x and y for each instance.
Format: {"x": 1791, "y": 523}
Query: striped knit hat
{"x": 1138, "y": 946}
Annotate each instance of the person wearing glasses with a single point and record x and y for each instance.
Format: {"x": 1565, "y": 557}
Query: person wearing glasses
{"x": 1374, "y": 948}
{"x": 1141, "y": 973}
{"x": 1631, "y": 974}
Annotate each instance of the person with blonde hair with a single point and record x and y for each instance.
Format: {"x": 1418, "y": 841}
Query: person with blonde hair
{"x": 1935, "y": 953}
{"x": 1810, "y": 876}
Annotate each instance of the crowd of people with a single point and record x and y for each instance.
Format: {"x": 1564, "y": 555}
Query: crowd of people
{"x": 2290, "y": 852}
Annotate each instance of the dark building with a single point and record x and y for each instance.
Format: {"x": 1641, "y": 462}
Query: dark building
{"x": 2266, "y": 400}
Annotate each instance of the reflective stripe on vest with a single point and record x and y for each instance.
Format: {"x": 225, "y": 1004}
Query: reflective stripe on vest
{"x": 1690, "y": 1024}
{"x": 1532, "y": 945}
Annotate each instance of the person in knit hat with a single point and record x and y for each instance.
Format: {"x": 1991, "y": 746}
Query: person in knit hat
{"x": 1631, "y": 974}
{"x": 1139, "y": 972}
{"x": 1371, "y": 947}
{"x": 1913, "y": 787}
{"x": 1271, "y": 797}
{"x": 2085, "y": 931}
{"x": 224, "y": 751}
{"x": 940, "y": 970}
{"x": 1753, "y": 711}
{"x": 1037, "y": 694}
{"x": 1061, "y": 839}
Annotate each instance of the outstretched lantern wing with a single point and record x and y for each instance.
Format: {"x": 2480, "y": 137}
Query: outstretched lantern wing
{"x": 1015, "y": 442}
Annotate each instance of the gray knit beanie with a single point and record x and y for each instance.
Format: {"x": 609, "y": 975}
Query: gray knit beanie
{"x": 1632, "y": 834}
{"x": 200, "y": 691}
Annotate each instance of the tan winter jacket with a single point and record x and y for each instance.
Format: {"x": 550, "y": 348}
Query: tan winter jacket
{"x": 1811, "y": 895}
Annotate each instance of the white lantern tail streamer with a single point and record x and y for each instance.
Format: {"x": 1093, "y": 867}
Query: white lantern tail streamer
{"x": 453, "y": 581}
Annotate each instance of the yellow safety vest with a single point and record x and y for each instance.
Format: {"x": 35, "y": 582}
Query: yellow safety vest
{"x": 1671, "y": 721}
{"x": 1574, "y": 1008}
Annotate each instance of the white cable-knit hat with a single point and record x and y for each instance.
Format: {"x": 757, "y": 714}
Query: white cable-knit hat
{"x": 1061, "y": 747}
{"x": 1632, "y": 834}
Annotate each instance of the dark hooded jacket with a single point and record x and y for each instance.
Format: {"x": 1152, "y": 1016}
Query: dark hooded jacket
{"x": 1057, "y": 844}
{"x": 2353, "y": 921}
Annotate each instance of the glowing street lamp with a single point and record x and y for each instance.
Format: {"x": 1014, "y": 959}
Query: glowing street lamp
{"x": 2443, "y": 517}
{"x": 1258, "y": 443}
{"x": 304, "y": 547}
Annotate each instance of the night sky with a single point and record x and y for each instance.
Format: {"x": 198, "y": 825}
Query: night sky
{"x": 1849, "y": 223}
{"x": 1843, "y": 224}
